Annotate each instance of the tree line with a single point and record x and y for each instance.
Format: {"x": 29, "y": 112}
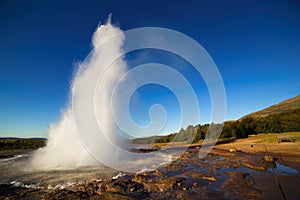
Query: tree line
{"x": 32, "y": 143}
{"x": 274, "y": 123}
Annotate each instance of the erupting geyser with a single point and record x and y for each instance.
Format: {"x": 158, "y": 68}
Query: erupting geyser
{"x": 64, "y": 149}
{"x": 97, "y": 123}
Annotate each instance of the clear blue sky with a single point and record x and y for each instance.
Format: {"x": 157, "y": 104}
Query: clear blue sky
{"x": 255, "y": 44}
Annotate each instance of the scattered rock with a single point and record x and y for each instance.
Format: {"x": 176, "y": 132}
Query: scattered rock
{"x": 269, "y": 159}
{"x": 241, "y": 186}
{"x": 255, "y": 167}
{"x": 100, "y": 188}
{"x": 112, "y": 196}
{"x": 116, "y": 188}
{"x": 234, "y": 150}
{"x": 81, "y": 188}
{"x": 209, "y": 178}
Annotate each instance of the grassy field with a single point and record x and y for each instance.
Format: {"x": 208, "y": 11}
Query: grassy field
{"x": 273, "y": 137}
{"x": 260, "y": 138}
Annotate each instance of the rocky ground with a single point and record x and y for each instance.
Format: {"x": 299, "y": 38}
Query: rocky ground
{"x": 220, "y": 175}
{"x": 287, "y": 153}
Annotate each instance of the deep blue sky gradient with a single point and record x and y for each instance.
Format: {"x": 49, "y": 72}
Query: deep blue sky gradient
{"x": 255, "y": 44}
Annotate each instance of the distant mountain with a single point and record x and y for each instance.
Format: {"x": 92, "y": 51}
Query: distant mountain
{"x": 282, "y": 107}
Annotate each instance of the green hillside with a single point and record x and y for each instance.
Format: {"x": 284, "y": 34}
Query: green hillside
{"x": 279, "y": 118}
{"x": 285, "y": 106}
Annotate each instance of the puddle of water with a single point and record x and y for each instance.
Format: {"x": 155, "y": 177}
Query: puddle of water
{"x": 284, "y": 170}
{"x": 209, "y": 162}
{"x": 213, "y": 160}
{"x": 220, "y": 158}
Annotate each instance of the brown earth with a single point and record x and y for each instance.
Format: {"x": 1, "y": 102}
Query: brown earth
{"x": 287, "y": 153}
{"x": 222, "y": 174}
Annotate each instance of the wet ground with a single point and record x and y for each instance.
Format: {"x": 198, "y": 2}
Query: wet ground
{"x": 220, "y": 175}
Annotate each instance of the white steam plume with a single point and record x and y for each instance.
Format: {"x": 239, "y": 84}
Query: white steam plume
{"x": 64, "y": 149}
